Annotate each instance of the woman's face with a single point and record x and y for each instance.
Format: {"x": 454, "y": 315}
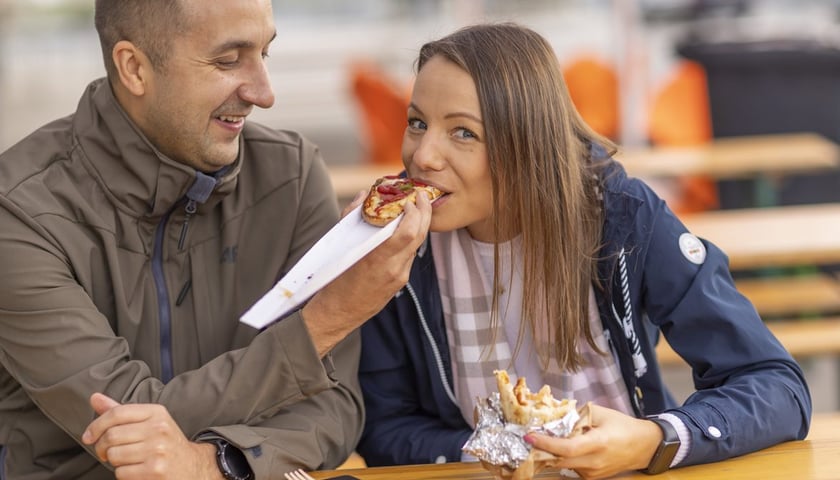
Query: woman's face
{"x": 444, "y": 145}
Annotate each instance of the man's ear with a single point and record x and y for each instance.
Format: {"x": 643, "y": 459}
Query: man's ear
{"x": 133, "y": 67}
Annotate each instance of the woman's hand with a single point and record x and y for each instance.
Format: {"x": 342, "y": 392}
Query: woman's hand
{"x": 615, "y": 443}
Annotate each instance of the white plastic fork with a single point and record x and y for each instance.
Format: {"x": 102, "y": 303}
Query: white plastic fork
{"x": 298, "y": 474}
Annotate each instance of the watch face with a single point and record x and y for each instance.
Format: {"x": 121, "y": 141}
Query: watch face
{"x": 232, "y": 463}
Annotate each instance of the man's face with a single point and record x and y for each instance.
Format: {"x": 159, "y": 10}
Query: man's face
{"x": 195, "y": 106}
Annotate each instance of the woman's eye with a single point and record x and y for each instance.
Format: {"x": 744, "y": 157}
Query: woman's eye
{"x": 464, "y": 133}
{"x": 416, "y": 124}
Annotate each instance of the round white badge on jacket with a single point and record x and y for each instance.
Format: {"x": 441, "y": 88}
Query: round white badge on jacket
{"x": 692, "y": 248}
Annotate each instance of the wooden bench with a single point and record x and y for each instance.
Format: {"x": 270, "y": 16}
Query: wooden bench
{"x": 792, "y": 295}
{"x": 802, "y": 338}
{"x": 772, "y": 237}
{"x": 348, "y": 180}
{"x": 737, "y": 157}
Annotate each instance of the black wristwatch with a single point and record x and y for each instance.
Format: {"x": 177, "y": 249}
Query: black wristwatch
{"x": 231, "y": 461}
{"x": 667, "y": 450}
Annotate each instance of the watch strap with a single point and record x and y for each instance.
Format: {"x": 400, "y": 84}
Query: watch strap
{"x": 667, "y": 449}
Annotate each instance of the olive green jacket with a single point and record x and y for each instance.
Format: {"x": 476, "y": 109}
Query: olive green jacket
{"x": 97, "y": 295}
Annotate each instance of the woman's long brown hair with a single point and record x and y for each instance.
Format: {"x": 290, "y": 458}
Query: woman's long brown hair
{"x": 544, "y": 185}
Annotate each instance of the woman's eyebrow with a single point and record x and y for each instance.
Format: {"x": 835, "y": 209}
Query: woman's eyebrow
{"x": 463, "y": 114}
{"x": 449, "y": 115}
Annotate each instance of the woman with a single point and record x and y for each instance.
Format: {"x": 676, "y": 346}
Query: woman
{"x": 547, "y": 260}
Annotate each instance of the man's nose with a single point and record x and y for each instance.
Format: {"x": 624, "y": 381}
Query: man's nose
{"x": 257, "y": 90}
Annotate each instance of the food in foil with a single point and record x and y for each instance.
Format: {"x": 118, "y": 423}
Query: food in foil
{"x": 504, "y": 418}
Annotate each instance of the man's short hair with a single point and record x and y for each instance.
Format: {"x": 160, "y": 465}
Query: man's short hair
{"x": 151, "y": 25}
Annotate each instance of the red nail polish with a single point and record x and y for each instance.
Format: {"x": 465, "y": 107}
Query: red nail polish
{"x": 529, "y": 439}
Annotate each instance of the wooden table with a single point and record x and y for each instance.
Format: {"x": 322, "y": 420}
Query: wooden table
{"x": 774, "y": 236}
{"x": 817, "y": 458}
{"x": 725, "y": 158}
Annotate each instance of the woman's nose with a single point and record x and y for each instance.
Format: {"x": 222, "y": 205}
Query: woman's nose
{"x": 428, "y": 154}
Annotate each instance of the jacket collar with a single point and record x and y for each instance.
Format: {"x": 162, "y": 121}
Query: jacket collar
{"x": 138, "y": 177}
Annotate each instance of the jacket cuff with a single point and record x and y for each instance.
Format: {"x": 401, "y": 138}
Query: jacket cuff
{"x": 292, "y": 334}
{"x": 682, "y": 432}
{"x": 707, "y": 429}
{"x": 241, "y": 437}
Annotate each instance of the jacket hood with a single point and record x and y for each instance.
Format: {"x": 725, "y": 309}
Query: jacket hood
{"x": 143, "y": 180}
{"x": 620, "y": 208}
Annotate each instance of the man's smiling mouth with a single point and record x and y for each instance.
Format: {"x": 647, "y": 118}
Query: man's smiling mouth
{"x": 231, "y": 118}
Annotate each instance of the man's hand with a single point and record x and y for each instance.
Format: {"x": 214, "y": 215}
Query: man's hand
{"x": 142, "y": 441}
{"x": 366, "y": 287}
{"x": 615, "y": 443}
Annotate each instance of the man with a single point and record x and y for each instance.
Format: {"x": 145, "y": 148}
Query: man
{"x": 134, "y": 233}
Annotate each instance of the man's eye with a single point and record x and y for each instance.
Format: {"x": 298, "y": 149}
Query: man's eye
{"x": 227, "y": 63}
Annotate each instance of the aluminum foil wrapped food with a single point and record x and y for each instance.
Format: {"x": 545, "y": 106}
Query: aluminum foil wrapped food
{"x": 504, "y": 418}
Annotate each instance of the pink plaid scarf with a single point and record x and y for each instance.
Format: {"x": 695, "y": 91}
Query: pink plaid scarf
{"x": 465, "y": 290}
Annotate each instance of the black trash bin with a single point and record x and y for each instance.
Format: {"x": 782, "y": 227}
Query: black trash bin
{"x": 773, "y": 86}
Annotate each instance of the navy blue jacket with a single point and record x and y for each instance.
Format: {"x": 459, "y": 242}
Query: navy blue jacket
{"x": 750, "y": 393}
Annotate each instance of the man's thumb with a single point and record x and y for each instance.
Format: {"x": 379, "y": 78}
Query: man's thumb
{"x": 102, "y": 403}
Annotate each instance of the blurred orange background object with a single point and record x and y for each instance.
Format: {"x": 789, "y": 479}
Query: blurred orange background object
{"x": 680, "y": 116}
{"x": 593, "y": 86}
{"x": 383, "y": 105}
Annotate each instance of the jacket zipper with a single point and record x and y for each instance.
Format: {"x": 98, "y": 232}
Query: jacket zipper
{"x": 164, "y": 313}
{"x": 199, "y": 192}
{"x": 189, "y": 209}
{"x": 435, "y": 351}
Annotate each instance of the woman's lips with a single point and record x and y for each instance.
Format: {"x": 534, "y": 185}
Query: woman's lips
{"x": 440, "y": 200}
